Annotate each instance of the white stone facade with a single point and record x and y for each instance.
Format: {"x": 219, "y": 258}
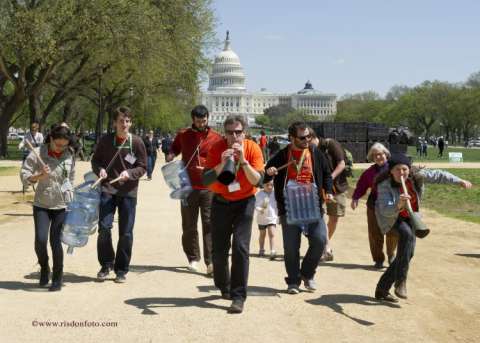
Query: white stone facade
{"x": 227, "y": 93}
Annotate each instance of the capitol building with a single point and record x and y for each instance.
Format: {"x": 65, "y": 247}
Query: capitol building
{"x": 227, "y": 93}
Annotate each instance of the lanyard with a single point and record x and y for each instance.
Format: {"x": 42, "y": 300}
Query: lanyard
{"x": 299, "y": 165}
{"x": 122, "y": 146}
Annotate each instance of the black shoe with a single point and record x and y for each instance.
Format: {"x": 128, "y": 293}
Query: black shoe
{"x": 56, "y": 282}
{"x": 381, "y": 294}
{"x": 103, "y": 273}
{"x": 120, "y": 278}
{"x": 44, "y": 276}
{"x": 237, "y": 306}
{"x": 378, "y": 265}
{"x": 226, "y": 295}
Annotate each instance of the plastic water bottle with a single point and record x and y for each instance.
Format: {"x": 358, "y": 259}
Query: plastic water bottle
{"x": 82, "y": 216}
{"x": 302, "y": 204}
{"x": 176, "y": 177}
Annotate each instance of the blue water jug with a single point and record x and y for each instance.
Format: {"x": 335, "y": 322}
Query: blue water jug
{"x": 81, "y": 215}
{"x": 176, "y": 177}
{"x": 301, "y": 204}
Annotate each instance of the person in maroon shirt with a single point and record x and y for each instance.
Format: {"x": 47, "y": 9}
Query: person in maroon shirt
{"x": 378, "y": 154}
{"x": 194, "y": 144}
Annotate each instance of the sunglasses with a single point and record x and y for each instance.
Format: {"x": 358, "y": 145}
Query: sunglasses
{"x": 304, "y": 138}
{"x": 232, "y": 132}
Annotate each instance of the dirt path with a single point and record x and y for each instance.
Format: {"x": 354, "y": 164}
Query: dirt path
{"x": 163, "y": 302}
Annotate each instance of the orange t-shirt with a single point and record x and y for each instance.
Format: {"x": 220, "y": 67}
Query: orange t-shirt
{"x": 252, "y": 154}
{"x": 306, "y": 171}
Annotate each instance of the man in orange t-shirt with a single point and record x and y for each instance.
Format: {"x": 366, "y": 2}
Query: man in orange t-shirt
{"x": 232, "y": 207}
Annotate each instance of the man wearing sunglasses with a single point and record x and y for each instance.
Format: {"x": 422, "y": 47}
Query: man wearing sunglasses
{"x": 232, "y": 207}
{"x": 303, "y": 163}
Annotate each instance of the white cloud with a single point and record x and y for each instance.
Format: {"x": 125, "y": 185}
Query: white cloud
{"x": 339, "y": 61}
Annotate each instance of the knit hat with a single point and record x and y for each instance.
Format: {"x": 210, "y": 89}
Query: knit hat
{"x": 399, "y": 159}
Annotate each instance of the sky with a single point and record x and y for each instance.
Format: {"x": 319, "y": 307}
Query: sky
{"x": 350, "y": 46}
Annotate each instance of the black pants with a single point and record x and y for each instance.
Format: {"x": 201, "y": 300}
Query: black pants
{"x": 232, "y": 218}
{"x": 197, "y": 201}
{"x": 397, "y": 271}
{"x": 126, "y": 219}
{"x": 49, "y": 220}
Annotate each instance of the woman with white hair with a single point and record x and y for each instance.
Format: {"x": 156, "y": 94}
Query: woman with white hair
{"x": 378, "y": 154}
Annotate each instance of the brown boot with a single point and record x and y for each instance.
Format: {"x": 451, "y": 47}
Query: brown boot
{"x": 381, "y": 294}
{"x": 401, "y": 289}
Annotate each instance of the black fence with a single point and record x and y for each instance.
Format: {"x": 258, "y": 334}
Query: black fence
{"x": 356, "y": 137}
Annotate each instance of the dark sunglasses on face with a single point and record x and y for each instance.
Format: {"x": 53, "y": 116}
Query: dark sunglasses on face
{"x": 304, "y": 138}
{"x": 231, "y": 132}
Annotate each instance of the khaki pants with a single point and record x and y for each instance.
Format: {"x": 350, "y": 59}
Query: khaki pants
{"x": 376, "y": 239}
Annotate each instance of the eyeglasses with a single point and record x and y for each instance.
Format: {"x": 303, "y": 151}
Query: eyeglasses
{"x": 232, "y": 132}
{"x": 304, "y": 138}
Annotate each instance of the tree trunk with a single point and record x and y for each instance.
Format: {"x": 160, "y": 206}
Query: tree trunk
{"x": 35, "y": 110}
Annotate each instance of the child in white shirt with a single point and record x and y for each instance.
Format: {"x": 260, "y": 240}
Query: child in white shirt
{"x": 267, "y": 217}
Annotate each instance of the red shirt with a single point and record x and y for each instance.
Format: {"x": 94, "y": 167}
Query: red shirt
{"x": 186, "y": 143}
{"x": 252, "y": 154}
{"x": 301, "y": 171}
{"x": 413, "y": 199}
{"x": 263, "y": 141}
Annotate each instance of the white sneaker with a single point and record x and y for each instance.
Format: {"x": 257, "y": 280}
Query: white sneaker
{"x": 210, "y": 269}
{"x": 193, "y": 266}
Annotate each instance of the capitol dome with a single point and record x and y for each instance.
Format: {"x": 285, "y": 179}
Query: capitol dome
{"x": 227, "y": 72}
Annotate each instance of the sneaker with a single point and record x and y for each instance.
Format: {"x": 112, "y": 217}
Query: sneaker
{"x": 103, "y": 273}
{"x": 310, "y": 284}
{"x": 120, "y": 278}
{"x": 237, "y": 306}
{"x": 226, "y": 295}
{"x": 210, "y": 270}
{"x": 261, "y": 252}
{"x": 401, "y": 289}
{"x": 57, "y": 278}
{"x": 329, "y": 256}
{"x": 273, "y": 255}
{"x": 378, "y": 265}
{"x": 193, "y": 266}
{"x": 381, "y": 294}
{"x": 293, "y": 289}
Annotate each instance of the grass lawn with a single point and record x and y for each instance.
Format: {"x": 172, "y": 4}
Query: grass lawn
{"x": 9, "y": 171}
{"x": 469, "y": 155}
{"x": 449, "y": 200}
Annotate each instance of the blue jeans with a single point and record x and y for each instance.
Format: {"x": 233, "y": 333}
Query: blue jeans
{"x": 292, "y": 235}
{"x": 397, "y": 271}
{"x": 46, "y": 221}
{"x": 151, "y": 159}
{"x": 126, "y": 219}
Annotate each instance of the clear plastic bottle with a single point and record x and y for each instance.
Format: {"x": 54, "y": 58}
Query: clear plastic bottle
{"x": 302, "y": 204}
{"x": 82, "y": 215}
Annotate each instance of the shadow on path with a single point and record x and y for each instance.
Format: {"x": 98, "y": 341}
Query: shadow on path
{"x": 334, "y": 302}
{"x": 151, "y": 268}
{"x": 147, "y": 304}
{"x": 256, "y": 291}
{"x": 348, "y": 266}
{"x": 469, "y": 255}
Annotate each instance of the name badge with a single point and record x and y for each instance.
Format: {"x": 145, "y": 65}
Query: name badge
{"x": 233, "y": 187}
{"x": 130, "y": 158}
